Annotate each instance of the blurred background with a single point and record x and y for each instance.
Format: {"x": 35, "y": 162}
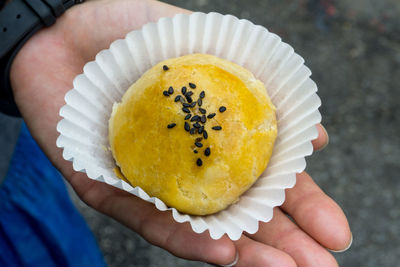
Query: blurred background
{"x": 353, "y": 50}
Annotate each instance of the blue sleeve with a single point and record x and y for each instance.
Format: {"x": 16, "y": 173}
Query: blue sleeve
{"x": 39, "y": 226}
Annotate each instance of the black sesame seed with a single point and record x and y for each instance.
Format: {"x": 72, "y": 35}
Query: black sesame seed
{"x": 196, "y": 125}
{"x": 170, "y": 90}
{"x": 186, "y": 105}
{"x": 188, "y": 116}
{"x": 211, "y": 115}
{"x": 165, "y": 93}
{"x": 199, "y": 162}
{"x": 193, "y": 131}
{"x": 198, "y": 139}
{"x": 205, "y": 134}
{"x": 202, "y": 110}
{"x": 195, "y": 118}
{"x": 199, "y": 102}
{"x": 183, "y": 90}
{"x": 192, "y": 85}
{"x": 203, "y": 119}
{"x": 195, "y": 151}
{"x": 177, "y": 98}
{"x": 189, "y": 99}
{"x": 202, "y": 94}
{"x": 187, "y": 126}
{"x": 198, "y": 144}
{"x": 190, "y": 93}
{"x": 171, "y": 125}
{"x": 165, "y": 67}
{"x": 186, "y": 110}
{"x": 222, "y": 109}
{"x": 217, "y": 128}
{"x": 192, "y": 104}
{"x": 207, "y": 152}
{"x": 201, "y": 130}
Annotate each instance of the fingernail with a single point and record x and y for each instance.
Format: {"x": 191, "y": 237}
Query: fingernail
{"x": 233, "y": 263}
{"x": 346, "y": 248}
{"x": 327, "y": 138}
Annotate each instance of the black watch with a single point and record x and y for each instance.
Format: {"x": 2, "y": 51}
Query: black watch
{"x": 19, "y": 20}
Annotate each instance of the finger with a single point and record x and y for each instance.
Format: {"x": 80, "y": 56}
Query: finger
{"x": 284, "y": 235}
{"x": 110, "y": 27}
{"x": 252, "y": 253}
{"x": 323, "y": 138}
{"x": 317, "y": 214}
{"x": 160, "y": 9}
{"x": 157, "y": 227}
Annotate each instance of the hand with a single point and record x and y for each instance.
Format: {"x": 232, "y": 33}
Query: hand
{"x": 43, "y": 72}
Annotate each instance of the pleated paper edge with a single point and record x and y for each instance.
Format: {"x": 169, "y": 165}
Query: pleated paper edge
{"x": 198, "y": 224}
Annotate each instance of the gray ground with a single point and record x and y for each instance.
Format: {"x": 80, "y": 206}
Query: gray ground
{"x": 353, "y": 49}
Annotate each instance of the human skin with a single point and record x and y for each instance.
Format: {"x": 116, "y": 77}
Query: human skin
{"x": 42, "y": 73}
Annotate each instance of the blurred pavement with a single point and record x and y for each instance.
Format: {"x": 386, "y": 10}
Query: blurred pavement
{"x": 353, "y": 50}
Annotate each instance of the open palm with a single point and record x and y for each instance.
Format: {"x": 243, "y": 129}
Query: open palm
{"x": 43, "y": 72}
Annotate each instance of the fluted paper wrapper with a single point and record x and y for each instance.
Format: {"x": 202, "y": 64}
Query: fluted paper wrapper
{"x": 84, "y": 127}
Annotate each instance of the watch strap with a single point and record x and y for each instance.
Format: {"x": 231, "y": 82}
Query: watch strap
{"x": 19, "y": 20}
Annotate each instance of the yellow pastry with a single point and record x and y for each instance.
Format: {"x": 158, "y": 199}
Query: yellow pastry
{"x": 195, "y": 131}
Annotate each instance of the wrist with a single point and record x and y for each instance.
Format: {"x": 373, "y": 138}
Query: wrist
{"x": 19, "y": 20}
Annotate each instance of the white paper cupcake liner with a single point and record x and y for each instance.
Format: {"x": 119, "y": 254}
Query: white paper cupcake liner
{"x": 84, "y": 129}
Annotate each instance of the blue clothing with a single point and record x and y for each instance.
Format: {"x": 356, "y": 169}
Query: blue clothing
{"x": 39, "y": 226}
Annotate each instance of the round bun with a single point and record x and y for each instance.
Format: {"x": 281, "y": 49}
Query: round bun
{"x": 159, "y": 150}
